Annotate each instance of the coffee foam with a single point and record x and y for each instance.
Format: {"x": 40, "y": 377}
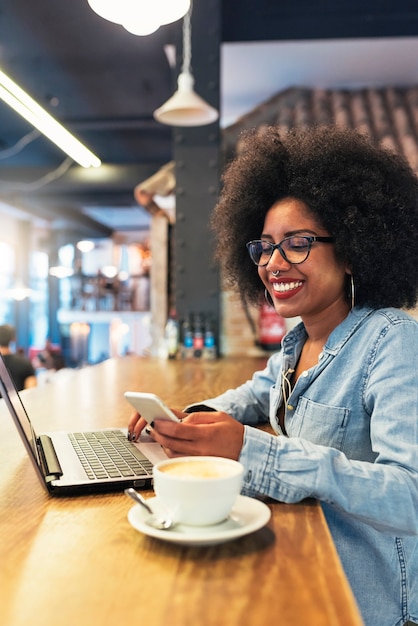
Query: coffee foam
{"x": 198, "y": 469}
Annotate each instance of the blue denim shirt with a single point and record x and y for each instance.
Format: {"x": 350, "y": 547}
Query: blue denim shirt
{"x": 351, "y": 442}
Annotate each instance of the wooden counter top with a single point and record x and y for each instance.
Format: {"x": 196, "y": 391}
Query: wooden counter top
{"x": 78, "y": 562}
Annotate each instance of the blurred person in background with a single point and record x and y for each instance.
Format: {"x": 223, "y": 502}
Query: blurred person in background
{"x": 20, "y": 367}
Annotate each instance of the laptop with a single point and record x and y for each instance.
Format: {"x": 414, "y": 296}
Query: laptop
{"x": 66, "y": 463}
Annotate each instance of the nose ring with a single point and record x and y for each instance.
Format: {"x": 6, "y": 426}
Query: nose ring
{"x": 275, "y": 273}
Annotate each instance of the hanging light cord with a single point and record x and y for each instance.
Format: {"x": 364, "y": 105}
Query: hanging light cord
{"x": 22, "y": 187}
{"x": 187, "y": 42}
{"x": 6, "y": 153}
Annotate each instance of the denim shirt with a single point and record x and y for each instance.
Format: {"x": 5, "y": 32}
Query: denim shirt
{"x": 351, "y": 441}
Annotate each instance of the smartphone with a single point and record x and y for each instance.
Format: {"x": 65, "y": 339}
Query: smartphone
{"x": 150, "y": 406}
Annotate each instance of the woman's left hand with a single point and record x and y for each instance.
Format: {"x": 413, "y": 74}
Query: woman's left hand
{"x": 201, "y": 433}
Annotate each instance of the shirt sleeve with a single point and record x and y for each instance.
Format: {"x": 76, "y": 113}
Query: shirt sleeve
{"x": 292, "y": 469}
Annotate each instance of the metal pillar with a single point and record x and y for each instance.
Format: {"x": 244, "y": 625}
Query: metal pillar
{"x": 54, "y": 333}
{"x": 21, "y": 307}
{"x": 197, "y": 158}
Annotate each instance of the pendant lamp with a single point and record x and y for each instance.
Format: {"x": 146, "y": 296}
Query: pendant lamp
{"x": 186, "y": 107}
{"x": 19, "y": 291}
{"x": 140, "y": 17}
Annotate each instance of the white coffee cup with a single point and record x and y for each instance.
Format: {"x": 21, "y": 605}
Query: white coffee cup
{"x": 198, "y": 490}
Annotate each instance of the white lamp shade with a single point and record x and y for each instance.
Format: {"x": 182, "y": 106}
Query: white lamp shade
{"x": 169, "y": 11}
{"x": 110, "y": 10}
{"x": 185, "y": 107}
{"x": 131, "y": 12}
{"x": 141, "y": 27}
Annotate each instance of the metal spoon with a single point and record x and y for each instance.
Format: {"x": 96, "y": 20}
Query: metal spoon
{"x": 159, "y": 523}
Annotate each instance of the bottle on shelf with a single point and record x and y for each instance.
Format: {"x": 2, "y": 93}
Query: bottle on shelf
{"x": 187, "y": 340}
{"x": 198, "y": 341}
{"x": 171, "y": 335}
{"x": 209, "y": 345}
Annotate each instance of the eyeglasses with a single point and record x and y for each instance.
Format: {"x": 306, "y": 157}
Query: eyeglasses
{"x": 294, "y": 249}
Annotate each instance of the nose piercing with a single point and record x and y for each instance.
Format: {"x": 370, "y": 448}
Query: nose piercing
{"x": 275, "y": 273}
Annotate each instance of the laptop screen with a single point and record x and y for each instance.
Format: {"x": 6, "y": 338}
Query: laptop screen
{"x": 11, "y": 397}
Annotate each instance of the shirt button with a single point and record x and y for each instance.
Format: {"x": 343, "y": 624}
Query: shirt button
{"x": 304, "y": 374}
{"x": 290, "y": 407}
{"x": 320, "y": 356}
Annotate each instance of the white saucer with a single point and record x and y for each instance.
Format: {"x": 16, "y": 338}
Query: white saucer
{"x": 247, "y": 516}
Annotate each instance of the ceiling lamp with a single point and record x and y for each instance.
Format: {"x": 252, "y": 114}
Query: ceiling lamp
{"x": 19, "y": 291}
{"x": 85, "y": 245}
{"x": 60, "y": 271}
{"x": 33, "y": 113}
{"x": 185, "y": 107}
{"x": 140, "y": 17}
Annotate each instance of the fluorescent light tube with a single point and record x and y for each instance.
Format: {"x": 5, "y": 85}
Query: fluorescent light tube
{"x": 32, "y": 112}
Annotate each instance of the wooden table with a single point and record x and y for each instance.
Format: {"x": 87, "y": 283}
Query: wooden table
{"x": 78, "y": 562}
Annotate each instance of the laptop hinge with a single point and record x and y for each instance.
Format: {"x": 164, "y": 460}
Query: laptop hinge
{"x": 49, "y": 458}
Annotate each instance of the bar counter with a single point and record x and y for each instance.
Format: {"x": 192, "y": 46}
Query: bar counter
{"x": 77, "y": 561}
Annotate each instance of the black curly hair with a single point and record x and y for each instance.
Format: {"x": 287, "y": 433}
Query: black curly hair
{"x": 364, "y": 196}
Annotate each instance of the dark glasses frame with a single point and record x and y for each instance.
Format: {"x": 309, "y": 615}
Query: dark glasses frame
{"x": 310, "y": 239}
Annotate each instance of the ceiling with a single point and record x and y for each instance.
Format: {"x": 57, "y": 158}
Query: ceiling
{"x": 104, "y": 84}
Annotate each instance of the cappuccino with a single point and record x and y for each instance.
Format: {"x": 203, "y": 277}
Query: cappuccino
{"x": 198, "y": 469}
{"x": 198, "y": 490}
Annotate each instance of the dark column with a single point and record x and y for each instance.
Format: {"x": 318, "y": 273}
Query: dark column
{"x": 54, "y": 333}
{"x": 197, "y": 157}
{"x": 22, "y": 307}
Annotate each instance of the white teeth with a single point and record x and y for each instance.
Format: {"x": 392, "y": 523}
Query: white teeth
{"x": 283, "y": 287}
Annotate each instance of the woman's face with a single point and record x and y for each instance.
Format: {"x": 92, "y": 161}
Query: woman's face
{"x": 309, "y": 289}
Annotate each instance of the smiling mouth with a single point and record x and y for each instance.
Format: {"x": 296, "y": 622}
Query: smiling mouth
{"x": 287, "y": 288}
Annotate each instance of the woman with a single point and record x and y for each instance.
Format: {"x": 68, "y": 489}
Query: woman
{"x": 330, "y": 223}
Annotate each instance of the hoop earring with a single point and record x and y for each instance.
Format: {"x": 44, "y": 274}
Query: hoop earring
{"x": 268, "y": 298}
{"x": 352, "y": 292}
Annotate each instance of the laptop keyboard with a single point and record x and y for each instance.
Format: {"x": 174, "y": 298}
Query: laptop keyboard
{"x": 108, "y": 454}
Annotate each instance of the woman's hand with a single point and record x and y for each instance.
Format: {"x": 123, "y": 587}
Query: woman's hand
{"x": 137, "y": 424}
{"x": 200, "y": 434}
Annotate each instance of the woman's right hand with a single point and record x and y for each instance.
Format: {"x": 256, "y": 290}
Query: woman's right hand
{"x": 136, "y": 425}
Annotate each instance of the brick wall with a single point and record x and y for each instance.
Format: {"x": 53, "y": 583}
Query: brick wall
{"x": 237, "y": 336}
